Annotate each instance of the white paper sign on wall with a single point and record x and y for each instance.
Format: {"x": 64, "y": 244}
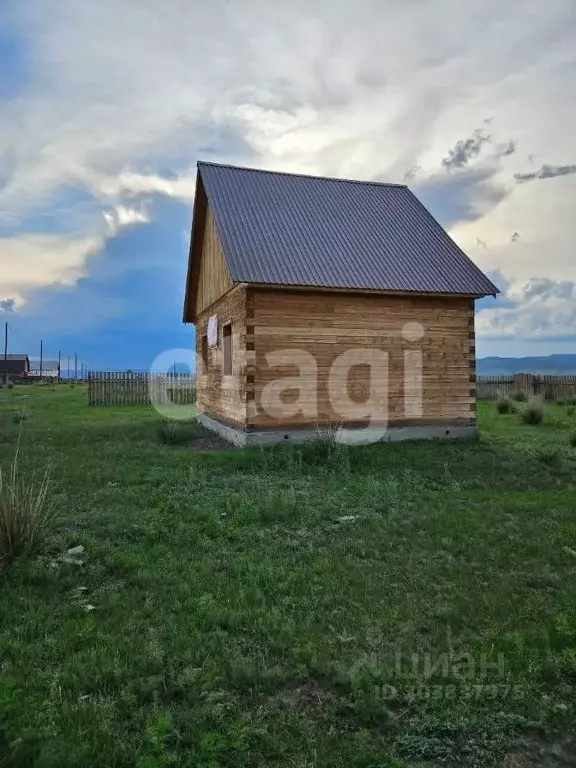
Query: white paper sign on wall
{"x": 213, "y": 331}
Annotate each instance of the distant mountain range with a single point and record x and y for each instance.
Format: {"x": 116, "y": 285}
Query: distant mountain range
{"x": 505, "y": 366}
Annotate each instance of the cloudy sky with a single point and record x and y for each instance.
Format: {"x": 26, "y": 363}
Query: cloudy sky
{"x": 105, "y": 106}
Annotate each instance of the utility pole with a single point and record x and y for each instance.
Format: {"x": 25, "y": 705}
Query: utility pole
{"x": 6, "y": 354}
{"x": 68, "y": 369}
{"x": 75, "y": 366}
{"x": 59, "y": 358}
{"x": 41, "y": 354}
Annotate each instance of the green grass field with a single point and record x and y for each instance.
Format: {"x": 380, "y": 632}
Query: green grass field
{"x": 406, "y": 605}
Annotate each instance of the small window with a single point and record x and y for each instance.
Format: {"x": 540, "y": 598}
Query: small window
{"x": 227, "y": 343}
{"x": 205, "y": 354}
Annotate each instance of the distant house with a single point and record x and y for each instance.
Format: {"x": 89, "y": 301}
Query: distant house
{"x": 328, "y": 302}
{"x": 48, "y": 369}
{"x": 14, "y": 365}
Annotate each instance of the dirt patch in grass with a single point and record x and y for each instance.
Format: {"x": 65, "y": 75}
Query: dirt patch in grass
{"x": 310, "y": 695}
{"x": 208, "y": 441}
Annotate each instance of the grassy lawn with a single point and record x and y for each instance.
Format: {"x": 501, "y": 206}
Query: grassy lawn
{"x": 406, "y": 605}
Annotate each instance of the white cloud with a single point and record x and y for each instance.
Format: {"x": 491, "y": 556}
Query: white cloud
{"x": 536, "y": 309}
{"x": 130, "y": 183}
{"x": 32, "y": 261}
{"x": 542, "y": 215}
{"x": 28, "y": 262}
{"x": 322, "y": 88}
{"x": 122, "y": 216}
{"x": 125, "y": 96}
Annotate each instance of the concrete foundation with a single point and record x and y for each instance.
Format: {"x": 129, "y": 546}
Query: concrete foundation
{"x": 350, "y": 436}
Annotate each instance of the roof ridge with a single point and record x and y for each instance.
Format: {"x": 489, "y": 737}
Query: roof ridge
{"x": 302, "y": 175}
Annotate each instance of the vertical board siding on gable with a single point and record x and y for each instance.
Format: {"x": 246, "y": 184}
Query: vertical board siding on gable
{"x": 328, "y": 324}
{"x": 219, "y": 395}
{"x": 213, "y": 278}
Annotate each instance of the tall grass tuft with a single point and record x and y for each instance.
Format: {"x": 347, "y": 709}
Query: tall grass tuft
{"x": 505, "y": 405}
{"x": 533, "y": 412}
{"x": 549, "y": 455}
{"x": 26, "y": 512}
{"x": 322, "y": 451}
{"x": 519, "y": 397}
{"x": 176, "y": 432}
{"x": 20, "y": 416}
{"x": 323, "y": 444}
{"x": 572, "y": 439}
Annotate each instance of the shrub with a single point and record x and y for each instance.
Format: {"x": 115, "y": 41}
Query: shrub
{"x": 533, "y": 412}
{"x": 560, "y": 401}
{"x": 549, "y": 455}
{"x": 26, "y": 513}
{"x": 175, "y": 432}
{"x": 570, "y": 401}
{"x": 19, "y": 417}
{"x": 519, "y": 397}
{"x": 572, "y": 439}
{"x": 10, "y": 385}
{"x": 570, "y": 411}
{"x": 505, "y": 405}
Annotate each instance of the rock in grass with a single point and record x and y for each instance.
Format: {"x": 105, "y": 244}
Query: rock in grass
{"x": 71, "y": 560}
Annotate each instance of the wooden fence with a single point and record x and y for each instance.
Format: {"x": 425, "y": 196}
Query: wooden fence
{"x": 493, "y": 387}
{"x": 126, "y": 388}
{"x": 548, "y": 387}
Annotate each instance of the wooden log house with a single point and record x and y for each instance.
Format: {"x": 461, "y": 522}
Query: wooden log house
{"x": 301, "y": 287}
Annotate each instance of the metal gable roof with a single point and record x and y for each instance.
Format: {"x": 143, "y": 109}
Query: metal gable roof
{"x": 333, "y": 233}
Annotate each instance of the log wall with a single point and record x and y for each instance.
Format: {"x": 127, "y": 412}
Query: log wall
{"x": 326, "y": 325}
{"x": 219, "y": 395}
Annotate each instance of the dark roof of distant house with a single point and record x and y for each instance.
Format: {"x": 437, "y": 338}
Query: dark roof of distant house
{"x": 289, "y": 229}
{"x": 14, "y": 363}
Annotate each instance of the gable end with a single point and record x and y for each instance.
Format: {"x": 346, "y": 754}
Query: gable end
{"x": 208, "y": 276}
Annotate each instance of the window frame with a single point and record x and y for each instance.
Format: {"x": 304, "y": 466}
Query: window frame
{"x": 227, "y": 370}
{"x": 204, "y": 353}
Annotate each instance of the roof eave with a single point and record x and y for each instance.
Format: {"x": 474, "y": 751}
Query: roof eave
{"x": 375, "y": 291}
{"x": 187, "y": 315}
